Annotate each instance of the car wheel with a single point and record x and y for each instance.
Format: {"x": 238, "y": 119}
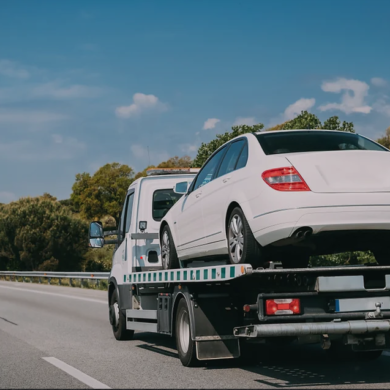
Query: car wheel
{"x": 242, "y": 245}
{"x": 118, "y": 320}
{"x": 168, "y": 250}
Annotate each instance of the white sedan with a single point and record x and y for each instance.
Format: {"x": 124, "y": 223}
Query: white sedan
{"x": 283, "y": 196}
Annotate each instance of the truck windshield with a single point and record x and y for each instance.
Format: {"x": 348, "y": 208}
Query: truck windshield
{"x": 290, "y": 141}
{"x": 163, "y": 200}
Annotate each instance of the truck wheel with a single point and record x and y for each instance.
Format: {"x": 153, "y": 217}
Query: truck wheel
{"x": 118, "y": 320}
{"x": 185, "y": 345}
{"x": 168, "y": 250}
{"x": 242, "y": 245}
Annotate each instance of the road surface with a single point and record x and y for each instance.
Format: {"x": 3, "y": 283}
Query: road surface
{"x": 60, "y": 337}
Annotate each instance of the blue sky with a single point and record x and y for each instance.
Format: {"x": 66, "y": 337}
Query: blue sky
{"x": 84, "y": 83}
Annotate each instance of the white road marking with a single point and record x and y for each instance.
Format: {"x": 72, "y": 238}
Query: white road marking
{"x": 386, "y": 353}
{"x": 54, "y": 294}
{"x": 86, "y": 379}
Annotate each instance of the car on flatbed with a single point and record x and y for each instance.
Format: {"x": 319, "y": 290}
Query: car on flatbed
{"x": 283, "y": 196}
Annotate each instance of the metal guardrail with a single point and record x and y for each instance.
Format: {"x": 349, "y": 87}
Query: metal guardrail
{"x": 56, "y": 275}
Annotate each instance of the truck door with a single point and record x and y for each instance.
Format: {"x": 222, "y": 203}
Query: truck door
{"x": 122, "y": 254}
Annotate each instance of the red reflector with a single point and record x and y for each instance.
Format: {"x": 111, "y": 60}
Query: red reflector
{"x": 282, "y": 306}
{"x": 285, "y": 179}
{"x": 247, "y": 308}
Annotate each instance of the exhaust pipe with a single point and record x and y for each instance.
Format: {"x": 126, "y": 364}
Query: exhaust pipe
{"x": 303, "y": 232}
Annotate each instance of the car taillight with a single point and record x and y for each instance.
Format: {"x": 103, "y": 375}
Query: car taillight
{"x": 282, "y": 306}
{"x": 285, "y": 179}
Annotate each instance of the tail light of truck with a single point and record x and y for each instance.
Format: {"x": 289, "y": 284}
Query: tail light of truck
{"x": 282, "y": 306}
{"x": 285, "y": 179}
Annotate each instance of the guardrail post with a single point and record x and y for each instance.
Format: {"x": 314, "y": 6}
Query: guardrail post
{"x": 70, "y": 281}
{"x": 97, "y": 283}
{"x": 31, "y": 279}
{"x": 24, "y": 279}
{"x": 48, "y": 280}
{"x": 82, "y": 280}
{"x": 39, "y": 280}
{"x": 59, "y": 281}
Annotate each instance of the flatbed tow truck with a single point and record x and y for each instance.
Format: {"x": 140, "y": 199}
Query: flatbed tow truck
{"x": 215, "y": 311}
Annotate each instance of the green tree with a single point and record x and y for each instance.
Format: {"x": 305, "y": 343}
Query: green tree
{"x": 333, "y": 123}
{"x": 176, "y": 162}
{"x": 207, "y": 149}
{"x": 103, "y": 193}
{"x": 385, "y": 140}
{"x": 304, "y": 120}
{"x": 41, "y": 234}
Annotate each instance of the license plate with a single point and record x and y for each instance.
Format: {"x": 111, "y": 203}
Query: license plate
{"x": 361, "y": 304}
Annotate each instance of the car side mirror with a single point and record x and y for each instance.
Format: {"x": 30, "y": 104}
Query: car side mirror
{"x": 96, "y": 235}
{"x": 181, "y": 188}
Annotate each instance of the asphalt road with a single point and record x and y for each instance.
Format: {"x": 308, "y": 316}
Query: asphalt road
{"x": 60, "y": 337}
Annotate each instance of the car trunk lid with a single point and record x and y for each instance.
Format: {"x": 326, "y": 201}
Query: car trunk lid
{"x": 344, "y": 171}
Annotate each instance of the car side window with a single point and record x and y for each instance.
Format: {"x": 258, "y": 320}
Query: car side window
{"x": 121, "y": 227}
{"x": 230, "y": 160}
{"x": 129, "y": 212}
{"x": 206, "y": 174}
{"x": 242, "y": 160}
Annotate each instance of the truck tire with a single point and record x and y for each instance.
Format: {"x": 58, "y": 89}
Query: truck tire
{"x": 185, "y": 345}
{"x": 242, "y": 245}
{"x": 169, "y": 257}
{"x": 118, "y": 320}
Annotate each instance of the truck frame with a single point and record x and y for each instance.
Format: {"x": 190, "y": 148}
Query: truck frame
{"x": 215, "y": 311}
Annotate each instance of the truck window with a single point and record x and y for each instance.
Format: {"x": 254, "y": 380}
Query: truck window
{"x": 163, "y": 200}
{"x": 129, "y": 211}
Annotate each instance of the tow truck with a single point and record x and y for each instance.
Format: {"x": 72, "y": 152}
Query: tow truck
{"x": 215, "y": 311}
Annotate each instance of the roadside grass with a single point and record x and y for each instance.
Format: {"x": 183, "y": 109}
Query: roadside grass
{"x": 93, "y": 284}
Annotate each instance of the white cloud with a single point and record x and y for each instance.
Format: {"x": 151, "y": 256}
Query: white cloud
{"x": 378, "y": 82}
{"x": 210, "y": 123}
{"x": 29, "y": 117}
{"x": 352, "y": 99}
{"x": 300, "y": 105}
{"x": 6, "y": 197}
{"x": 12, "y": 69}
{"x": 56, "y": 91}
{"x": 382, "y": 107}
{"x": 250, "y": 121}
{"x": 141, "y": 102}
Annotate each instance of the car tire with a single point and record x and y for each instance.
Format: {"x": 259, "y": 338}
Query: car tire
{"x": 118, "y": 320}
{"x": 169, "y": 257}
{"x": 242, "y": 245}
{"x": 186, "y": 347}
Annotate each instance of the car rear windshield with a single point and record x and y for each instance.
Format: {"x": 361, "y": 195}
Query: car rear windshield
{"x": 313, "y": 141}
{"x": 163, "y": 200}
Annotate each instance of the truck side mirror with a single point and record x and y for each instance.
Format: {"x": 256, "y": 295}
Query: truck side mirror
{"x": 96, "y": 235}
{"x": 181, "y": 188}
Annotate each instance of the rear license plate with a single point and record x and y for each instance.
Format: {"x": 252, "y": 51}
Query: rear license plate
{"x": 361, "y": 304}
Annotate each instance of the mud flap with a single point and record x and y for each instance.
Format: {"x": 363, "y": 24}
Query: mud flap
{"x": 218, "y": 349}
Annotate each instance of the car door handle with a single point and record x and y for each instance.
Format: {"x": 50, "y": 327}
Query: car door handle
{"x": 198, "y": 194}
{"x": 226, "y": 179}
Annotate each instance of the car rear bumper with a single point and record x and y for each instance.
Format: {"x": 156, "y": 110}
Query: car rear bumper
{"x": 280, "y": 224}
